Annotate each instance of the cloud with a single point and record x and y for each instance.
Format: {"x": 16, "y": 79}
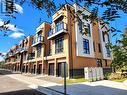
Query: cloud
{"x": 18, "y": 8}
{"x": 11, "y": 26}
{"x": 16, "y": 35}
{"x": 1, "y": 22}
{"x": 17, "y": 32}
{"x": 1, "y": 58}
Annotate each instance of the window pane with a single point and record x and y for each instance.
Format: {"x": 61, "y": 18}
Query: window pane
{"x": 59, "y": 45}
{"x": 86, "y": 46}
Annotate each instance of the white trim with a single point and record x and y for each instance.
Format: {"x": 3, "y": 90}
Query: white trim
{"x": 79, "y": 38}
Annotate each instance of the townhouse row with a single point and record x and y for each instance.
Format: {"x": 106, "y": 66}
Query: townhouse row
{"x": 62, "y": 42}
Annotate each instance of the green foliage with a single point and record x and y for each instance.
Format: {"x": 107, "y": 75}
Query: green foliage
{"x": 106, "y": 76}
{"x": 114, "y": 76}
{"x": 76, "y": 80}
{"x": 120, "y": 80}
{"x": 111, "y": 9}
{"x": 120, "y": 53}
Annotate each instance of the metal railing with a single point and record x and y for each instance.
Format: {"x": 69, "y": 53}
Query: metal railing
{"x": 59, "y": 26}
{"x": 31, "y": 56}
{"x": 38, "y": 39}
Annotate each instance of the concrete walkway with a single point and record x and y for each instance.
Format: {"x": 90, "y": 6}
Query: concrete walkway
{"x": 104, "y": 87}
{"x": 125, "y": 82}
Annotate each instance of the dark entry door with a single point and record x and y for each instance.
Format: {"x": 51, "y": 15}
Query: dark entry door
{"x": 26, "y": 68}
{"x": 40, "y": 69}
{"x": 59, "y": 69}
{"x": 51, "y": 69}
{"x": 15, "y": 67}
{"x": 23, "y": 69}
{"x": 34, "y": 69}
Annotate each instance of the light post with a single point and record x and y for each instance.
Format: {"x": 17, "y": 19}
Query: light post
{"x": 65, "y": 91}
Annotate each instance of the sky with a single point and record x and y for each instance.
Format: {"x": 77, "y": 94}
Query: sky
{"x": 28, "y": 19}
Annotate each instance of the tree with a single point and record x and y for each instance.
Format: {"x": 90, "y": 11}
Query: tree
{"x": 110, "y": 7}
{"x": 120, "y": 53}
{"x": 111, "y": 11}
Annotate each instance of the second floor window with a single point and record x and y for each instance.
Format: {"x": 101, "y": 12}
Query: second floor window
{"x": 39, "y": 51}
{"x": 59, "y": 26}
{"x": 80, "y": 24}
{"x": 99, "y": 47}
{"x": 59, "y": 45}
{"x": 105, "y": 37}
{"x": 88, "y": 27}
{"x": 108, "y": 52}
{"x": 86, "y": 49}
{"x": 50, "y": 48}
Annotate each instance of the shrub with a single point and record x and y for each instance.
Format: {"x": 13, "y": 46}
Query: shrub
{"x": 114, "y": 76}
{"x": 106, "y": 76}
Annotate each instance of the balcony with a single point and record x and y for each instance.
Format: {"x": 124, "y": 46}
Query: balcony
{"x": 6, "y": 56}
{"x": 18, "y": 50}
{"x": 24, "y": 49}
{"x": 60, "y": 28}
{"x": 38, "y": 40}
{"x": 31, "y": 56}
{"x": 11, "y": 54}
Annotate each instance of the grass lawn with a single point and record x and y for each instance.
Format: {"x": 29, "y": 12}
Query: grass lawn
{"x": 120, "y": 80}
{"x": 78, "y": 80}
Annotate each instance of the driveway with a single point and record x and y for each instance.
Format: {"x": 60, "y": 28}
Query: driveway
{"x": 104, "y": 87}
{"x": 9, "y": 86}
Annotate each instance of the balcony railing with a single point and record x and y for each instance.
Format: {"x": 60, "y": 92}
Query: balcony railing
{"x": 31, "y": 56}
{"x": 37, "y": 40}
{"x": 19, "y": 50}
{"x": 11, "y": 54}
{"x": 60, "y": 27}
{"x": 25, "y": 48}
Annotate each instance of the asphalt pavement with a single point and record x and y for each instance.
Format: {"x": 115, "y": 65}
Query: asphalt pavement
{"x": 9, "y": 86}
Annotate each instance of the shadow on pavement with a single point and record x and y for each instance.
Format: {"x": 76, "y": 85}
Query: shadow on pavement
{"x": 23, "y": 92}
{"x": 7, "y": 72}
{"x": 83, "y": 89}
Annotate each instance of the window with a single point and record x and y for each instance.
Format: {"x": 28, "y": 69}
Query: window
{"x": 39, "y": 38}
{"x": 59, "y": 26}
{"x": 80, "y": 23}
{"x": 94, "y": 46}
{"x": 88, "y": 27}
{"x": 50, "y": 48}
{"x": 24, "y": 57}
{"x": 106, "y": 64}
{"x": 105, "y": 37}
{"x": 99, "y": 47}
{"x": 86, "y": 46}
{"x": 103, "y": 34}
{"x": 59, "y": 45}
{"x": 99, "y": 62}
{"x": 39, "y": 51}
{"x": 108, "y": 52}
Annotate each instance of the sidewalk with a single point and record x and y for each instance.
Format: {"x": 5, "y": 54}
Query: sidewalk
{"x": 104, "y": 87}
{"x": 40, "y": 85}
{"x": 125, "y": 82}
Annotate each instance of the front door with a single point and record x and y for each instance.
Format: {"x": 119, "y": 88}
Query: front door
{"x": 34, "y": 69}
{"x": 40, "y": 69}
{"x": 59, "y": 69}
{"x": 23, "y": 69}
{"x": 26, "y": 68}
{"x": 51, "y": 69}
